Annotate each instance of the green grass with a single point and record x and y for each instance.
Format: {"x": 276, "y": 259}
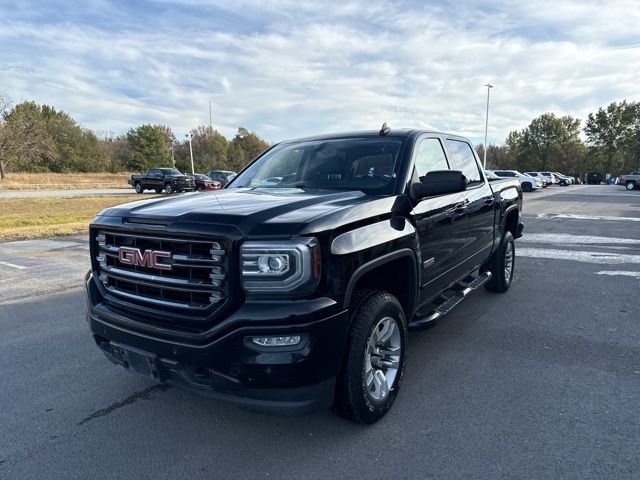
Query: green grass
{"x": 27, "y": 218}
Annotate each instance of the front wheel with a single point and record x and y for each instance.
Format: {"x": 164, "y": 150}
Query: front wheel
{"x": 374, "y": 359}
{"x": 168, "y": 188}
{"x": 527, "y": 187}
{"x": 138, "y": 187}
{"x": 631, "y": 185}
{"x": 502, "y": 264}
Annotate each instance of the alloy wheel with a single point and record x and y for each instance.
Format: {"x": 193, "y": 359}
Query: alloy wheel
{"x": 382, "y": 358}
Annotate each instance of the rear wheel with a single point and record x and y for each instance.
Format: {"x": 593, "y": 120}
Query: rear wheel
{"x": 138, "y": 187}
{"x": 168, "y": 188}
{"x": 374, "y": 359}
{"x": 631, "y": 185}
{"x": 527, "y": 187}
{"x": 502, "y": 265}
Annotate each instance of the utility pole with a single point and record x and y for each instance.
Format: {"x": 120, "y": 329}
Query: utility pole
{"x": 486, "y": 127}
{"x": 190, "y": 136}
{"x": 173, "y": 160}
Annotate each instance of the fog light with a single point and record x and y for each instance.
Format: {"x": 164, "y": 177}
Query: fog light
{"x": 287, "y": 341}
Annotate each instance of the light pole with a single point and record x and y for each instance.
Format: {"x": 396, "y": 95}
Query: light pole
{"x": 486, "y": 127}
{"x": 190, "y": 136}
{"x": 173, "y": 159}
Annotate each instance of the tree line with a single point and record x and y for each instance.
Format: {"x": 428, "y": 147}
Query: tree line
{"x": 553, "y": 143}
{"x": 39, "y": 138}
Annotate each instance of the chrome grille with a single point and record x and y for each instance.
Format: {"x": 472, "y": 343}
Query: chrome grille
{"x": 196, "y": 281}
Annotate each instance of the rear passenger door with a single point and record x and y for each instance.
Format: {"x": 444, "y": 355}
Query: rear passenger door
{"x": 479, "y": 201}
{"x": 440, "y": 222}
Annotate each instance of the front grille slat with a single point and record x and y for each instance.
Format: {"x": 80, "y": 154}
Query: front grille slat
{"x": 195, "y": 285}
{"x": 153, "y": 280}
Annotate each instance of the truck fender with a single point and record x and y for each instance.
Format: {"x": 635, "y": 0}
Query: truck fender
{"x": 411, "y": 277}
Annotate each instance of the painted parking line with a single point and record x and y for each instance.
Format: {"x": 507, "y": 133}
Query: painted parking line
{"x": 587, "y": 217}
{"x": 12, "y": 265}
{"x": 623, "y": 273}
{"x": 570, "y": 239}
{"x": 600, "y": 258}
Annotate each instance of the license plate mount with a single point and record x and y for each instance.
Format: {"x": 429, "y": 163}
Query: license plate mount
{"x": 137, "y": 361}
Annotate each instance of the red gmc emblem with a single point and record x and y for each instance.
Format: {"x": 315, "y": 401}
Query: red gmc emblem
{"x": 133, "y": 256}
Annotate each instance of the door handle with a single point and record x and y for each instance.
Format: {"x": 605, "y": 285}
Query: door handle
{"x": 459, "y": 208}
{"x": 488, "y": 201}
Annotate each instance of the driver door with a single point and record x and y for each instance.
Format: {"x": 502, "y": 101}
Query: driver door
{"x": 440, "y": 223}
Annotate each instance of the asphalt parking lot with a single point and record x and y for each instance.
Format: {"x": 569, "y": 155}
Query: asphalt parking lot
{"x": 542, "y": 382}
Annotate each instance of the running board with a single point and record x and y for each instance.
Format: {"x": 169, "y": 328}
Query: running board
{"x": 448, "y": 300}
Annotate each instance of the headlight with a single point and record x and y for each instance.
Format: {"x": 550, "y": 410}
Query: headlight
{"x": 285, "y": 266}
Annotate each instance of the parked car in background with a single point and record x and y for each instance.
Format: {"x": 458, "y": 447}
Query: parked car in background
{"x": 222, "y": 176}
{"x": 203, "y": 182}
{"x": 527, "y": 182}
{"x": 594, "y": 178}
{"x": 549, "y": 177}
{"x": 631, "y": 181}
{"x": 168, "y": 179}
{"x": 563, "y": 180}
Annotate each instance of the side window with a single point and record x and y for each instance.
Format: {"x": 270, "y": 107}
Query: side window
{"x": 464, "y": 159}
{"x": 430, "y": 156}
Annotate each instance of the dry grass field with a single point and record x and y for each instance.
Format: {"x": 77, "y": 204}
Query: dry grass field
{"x": 59, "y": 181}
{"x": 27, "y": 218}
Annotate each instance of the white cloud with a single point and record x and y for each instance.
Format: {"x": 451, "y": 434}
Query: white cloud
{"x": 290, "y": 68}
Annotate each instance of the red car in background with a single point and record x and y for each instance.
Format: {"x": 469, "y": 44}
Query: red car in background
{"x": 205, "y": 183}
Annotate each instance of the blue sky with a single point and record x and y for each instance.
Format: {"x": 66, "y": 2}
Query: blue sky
{"x": 287, "y": 68}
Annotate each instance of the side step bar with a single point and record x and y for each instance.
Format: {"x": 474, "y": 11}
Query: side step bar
{"x": 448, "y": 300}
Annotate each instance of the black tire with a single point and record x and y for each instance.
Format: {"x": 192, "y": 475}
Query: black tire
{"x": 369, "y": 312}
{"x": 527, "y": 187}
{"x": 500, "y": 281}
{"x": 631, "y": 185}
{"x": 158, "y": 190}
{"x": 138, "y": 187}
{"x": 168, "y": 188}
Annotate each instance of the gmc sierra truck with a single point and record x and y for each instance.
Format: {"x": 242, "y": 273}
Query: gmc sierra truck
{"x": 295, "y": 286}
{"x": 168, "y": 179}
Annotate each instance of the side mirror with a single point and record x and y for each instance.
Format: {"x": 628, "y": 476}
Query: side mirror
{"x": 439, "y": 182}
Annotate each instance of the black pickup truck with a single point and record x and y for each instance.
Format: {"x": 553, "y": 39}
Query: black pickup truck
{"x": 168, "y": 179}
{"x": 295, "y": 286}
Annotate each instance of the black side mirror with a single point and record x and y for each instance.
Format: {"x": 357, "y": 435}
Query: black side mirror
{"x": 439, "y": 182}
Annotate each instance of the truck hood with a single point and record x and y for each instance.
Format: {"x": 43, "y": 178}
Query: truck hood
{"x": 261, "y": 211}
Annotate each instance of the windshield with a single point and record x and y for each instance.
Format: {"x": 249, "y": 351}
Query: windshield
{"x": 366, "y": 164}
{"x": 170, "y": 171}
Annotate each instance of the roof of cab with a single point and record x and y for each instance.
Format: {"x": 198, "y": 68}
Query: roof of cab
{"x": 393, "y": 133}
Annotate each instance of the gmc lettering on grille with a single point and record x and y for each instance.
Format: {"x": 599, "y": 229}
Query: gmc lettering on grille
{"x": 148, "y": 258}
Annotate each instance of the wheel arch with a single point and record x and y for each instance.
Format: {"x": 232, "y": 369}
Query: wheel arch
{"x": 395, "y": 272}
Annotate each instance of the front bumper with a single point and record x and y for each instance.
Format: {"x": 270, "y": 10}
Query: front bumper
{"x": 226, "y": 366}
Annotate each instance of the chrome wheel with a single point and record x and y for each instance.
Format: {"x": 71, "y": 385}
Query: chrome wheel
{"x": 382, "y": 358}
{"x": 508, "y": 262}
